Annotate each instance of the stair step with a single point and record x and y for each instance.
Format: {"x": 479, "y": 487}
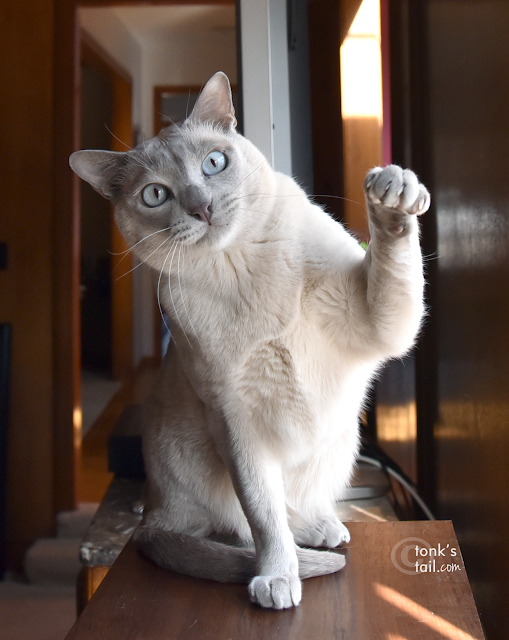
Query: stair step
{"x": 53, "y": 561}
{"x": 74, "y": 524}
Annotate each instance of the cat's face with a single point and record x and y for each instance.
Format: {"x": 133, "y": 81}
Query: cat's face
{"x": 188, "y": 181}
{"x": 191, "y": 184}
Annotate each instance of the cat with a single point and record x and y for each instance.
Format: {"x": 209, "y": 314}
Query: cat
{"x": 279, "y": 322}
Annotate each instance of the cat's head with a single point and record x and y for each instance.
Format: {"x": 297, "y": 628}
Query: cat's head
{"x": 193, "y": 183}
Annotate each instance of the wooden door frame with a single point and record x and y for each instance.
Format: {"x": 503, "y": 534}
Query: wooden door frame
{"x": 66, "y": 248}
{"x": 410, "y": 118}
{"x": 121, "y": 271}
{"x": 324, "y": 19}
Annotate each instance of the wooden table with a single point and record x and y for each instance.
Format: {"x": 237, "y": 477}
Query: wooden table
{"x": 376, "y": 596}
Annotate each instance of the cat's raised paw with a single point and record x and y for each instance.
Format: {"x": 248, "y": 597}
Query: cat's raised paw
{"x": 395, "y": 188}
{"x": 275, "y": 592}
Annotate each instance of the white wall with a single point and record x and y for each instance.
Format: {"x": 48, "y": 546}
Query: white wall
{"x": 300, "y": 96}
{"x": 108, "y": 31}
{"x": 184, "y": 59}
{"x": 265, "y": 80}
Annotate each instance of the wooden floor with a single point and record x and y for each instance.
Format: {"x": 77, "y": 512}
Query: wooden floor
{"x": 95, "y": 477}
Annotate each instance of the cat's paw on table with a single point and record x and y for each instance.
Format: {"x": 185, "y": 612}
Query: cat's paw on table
{"x": 276, "y": 592}
{"x": 328, "y": 532}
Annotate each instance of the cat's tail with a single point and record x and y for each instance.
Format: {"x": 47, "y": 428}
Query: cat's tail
{"x": 204, "y": 558}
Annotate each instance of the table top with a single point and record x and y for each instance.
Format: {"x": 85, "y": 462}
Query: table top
{"x": 380, "y": 594}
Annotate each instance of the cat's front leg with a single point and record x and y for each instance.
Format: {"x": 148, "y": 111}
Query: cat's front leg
{"x": 393, "y": 263}
{"x": 258, "y": 482}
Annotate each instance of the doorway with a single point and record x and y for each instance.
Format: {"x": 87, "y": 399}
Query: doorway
{"x": 106, "y": 281}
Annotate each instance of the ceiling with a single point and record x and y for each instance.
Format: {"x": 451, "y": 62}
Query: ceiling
{"x": 163, "y": 22}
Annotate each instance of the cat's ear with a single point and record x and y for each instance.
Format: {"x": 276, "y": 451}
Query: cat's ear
{"x": 215, "y": 103}
{"x": 99, "y": 169}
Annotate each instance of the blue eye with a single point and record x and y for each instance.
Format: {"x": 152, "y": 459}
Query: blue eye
{"x": 155, "y": 194}
{"x": 214, "y": 163}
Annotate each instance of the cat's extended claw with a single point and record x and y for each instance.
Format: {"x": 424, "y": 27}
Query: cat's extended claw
{"x": 276, "y": 592}
{"x": 396, "y": 188}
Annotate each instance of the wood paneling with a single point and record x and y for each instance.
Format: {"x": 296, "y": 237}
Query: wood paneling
{"x": 118, "y": 332}
{"x": 66, "y": 247}
{"x": 109, "y": 3}
{"x": 451, "y": 98}
{"x": 89, "y": 580}
{"x": 26, "y": 207}
{"x": 121, "y": 270}
{"x": 468, "y": 103}
{"x": 362, "y": 150}
{"x": 411, "y": 148}
{"x": 348, "y": 11}
{"x": 121, "y": 278}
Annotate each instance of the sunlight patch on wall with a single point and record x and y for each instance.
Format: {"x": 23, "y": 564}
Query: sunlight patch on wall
{"x": 361, "y": 65}
{"x": 397, "y": 423}
{"x": 361, "y": 110}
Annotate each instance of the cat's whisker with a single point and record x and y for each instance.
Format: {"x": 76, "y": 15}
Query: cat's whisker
{"x": 255, "y": 195}
{"x": 318, "y": 195}
{"x": 297, "y": 195}
{"x": 432, "y": 256}
{"x": 171, "y": 297}
{"x": 159, "y": 296}
{"x": 117, "y": 138}
{"x": 251, "y": 210}
{"x": 145, "y": 260}
{"x": 172, "y": 122}
{"x": 164, "y": 119}
{"x": 187, "y": 105}
{"x": 127, "y": 251}
{"x": 249, "y": 174}
{"x": 146, "y": 165}
{"x": 120, "y": 253}
{"x": 182, "y": 296}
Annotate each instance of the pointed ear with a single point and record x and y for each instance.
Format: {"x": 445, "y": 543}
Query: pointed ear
{"x": 215, "y": 103}
{"x": 99, "y": 169}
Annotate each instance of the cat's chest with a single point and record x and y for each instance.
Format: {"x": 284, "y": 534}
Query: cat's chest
{"x": 232, "y": 300}
{"x": 299, "y": 390}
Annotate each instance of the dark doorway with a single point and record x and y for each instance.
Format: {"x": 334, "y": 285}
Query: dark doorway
{"x": 96, "y": 324}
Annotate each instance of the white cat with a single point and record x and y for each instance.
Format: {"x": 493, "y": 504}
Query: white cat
{"x": 280, "y": 320}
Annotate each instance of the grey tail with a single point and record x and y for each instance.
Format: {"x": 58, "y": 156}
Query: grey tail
{"x": 204, "y": 558}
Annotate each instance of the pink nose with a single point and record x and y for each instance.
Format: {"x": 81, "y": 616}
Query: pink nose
{"x": 203, "y": 212}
